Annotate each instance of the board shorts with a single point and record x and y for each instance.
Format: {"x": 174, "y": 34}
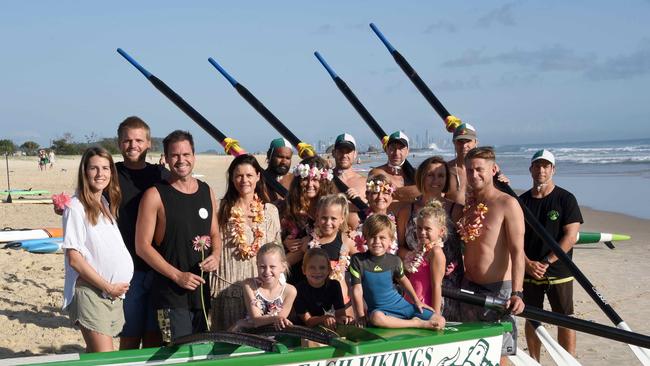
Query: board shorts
{"x": 94, "y": 312}
{"x": 558, "y": 291}
{"x": 471, "y": 313}
{"x": 179, "y": 322}
{"x": 139, "y": 312}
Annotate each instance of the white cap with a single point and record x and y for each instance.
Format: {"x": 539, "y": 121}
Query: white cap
{"x": 543, "y": 154}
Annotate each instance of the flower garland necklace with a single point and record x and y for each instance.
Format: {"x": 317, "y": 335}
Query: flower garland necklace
{"x": 339, "y": 267}
{"x": 414, "y": 259}
{"x": 471, "y": 223}
{"x": 238, "y": 221}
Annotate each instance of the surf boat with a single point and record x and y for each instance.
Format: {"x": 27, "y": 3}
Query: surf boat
{"x": 457, "y": 344}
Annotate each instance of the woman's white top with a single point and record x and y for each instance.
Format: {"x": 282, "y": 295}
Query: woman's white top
{"x": 100, "y": 245}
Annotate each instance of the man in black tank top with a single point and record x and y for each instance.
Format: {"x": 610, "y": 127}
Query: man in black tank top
{"x": 173, "y": 215}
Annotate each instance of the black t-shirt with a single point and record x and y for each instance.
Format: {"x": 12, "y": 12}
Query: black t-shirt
{"x": 317, "y": 300}
{"x": 554, "y": 211}
{"x": 133, "y": 183}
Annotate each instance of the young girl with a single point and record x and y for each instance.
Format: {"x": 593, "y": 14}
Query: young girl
{"x": 379, "y": 193}
{"x": 268, "y": 297}
{"x": 319, "y": 300}
{"x": 98, "y": 267}
{"x": 329, "y": 234}
{"x": 425, "y": 266}
{"x": 312, "y": 180}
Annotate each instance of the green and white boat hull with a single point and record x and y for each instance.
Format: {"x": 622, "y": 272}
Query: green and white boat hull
{"x": 458, "y": 344}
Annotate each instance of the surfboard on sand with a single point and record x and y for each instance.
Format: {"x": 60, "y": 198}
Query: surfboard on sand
{"x": 24, "y": 200}
{"x": 10, "y": 234}
{"x": 24, "y": 192}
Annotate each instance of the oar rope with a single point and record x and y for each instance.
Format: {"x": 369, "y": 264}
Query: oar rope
{"x": 363, "y": 112}
{"x": 230, "y": 145}
{"x": 304, "y": 149}
{"x": 643, "y": 355}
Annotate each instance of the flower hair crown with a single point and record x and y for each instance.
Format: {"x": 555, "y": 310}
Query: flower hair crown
{"x": 306, "y": 171}
{"x": 377, "y": 186}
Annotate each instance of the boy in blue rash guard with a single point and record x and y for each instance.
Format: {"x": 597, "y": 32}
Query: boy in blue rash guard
{"x": 373, "y": 273}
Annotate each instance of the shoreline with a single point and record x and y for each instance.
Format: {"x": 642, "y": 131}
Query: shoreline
{"x": 32, "y": 284}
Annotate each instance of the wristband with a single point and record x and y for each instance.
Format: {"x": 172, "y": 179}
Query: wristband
{"x": 519, "y": 294}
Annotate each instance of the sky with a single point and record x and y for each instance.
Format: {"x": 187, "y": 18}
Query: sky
{"x": 519, "y": 71}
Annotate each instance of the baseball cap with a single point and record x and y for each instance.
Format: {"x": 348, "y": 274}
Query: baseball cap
{"x": 398, "y": 136}
{"x": 345, "y": 140}
{"x": 543, "y": 154}
{"x": 465, "y": 132}
{"x": 276, "y": 144}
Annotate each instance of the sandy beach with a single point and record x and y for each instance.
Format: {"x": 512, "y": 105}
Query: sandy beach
{"x": 33, "y": 323}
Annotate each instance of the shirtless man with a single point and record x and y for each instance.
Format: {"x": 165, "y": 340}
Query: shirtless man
{"x": 172, "y": 215}
{"x": 345, "y": 154}
{"x": 397, "y": 150}
{"x": 278, "y": 157}
{"x": 464, "y": 139}
{"x": 494, "y": 257}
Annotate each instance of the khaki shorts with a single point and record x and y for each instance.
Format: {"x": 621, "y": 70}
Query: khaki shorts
{"x": 90, "y": 310}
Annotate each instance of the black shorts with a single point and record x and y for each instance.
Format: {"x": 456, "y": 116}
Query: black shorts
{"x": 560, "y": 295}
{"x": 175, "y": 323}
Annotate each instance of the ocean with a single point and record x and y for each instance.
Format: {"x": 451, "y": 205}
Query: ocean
{"x": 604, "y": 175}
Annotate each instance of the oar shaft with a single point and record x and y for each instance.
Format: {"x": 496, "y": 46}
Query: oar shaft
{"x": 361, "y": 109}
{"x": 196, "y": 117}
{"x": 552, "y": 318}
{"x": 532, "y": 221}
{"x": 413, "y": 76}
{"x": 280, "y": 127}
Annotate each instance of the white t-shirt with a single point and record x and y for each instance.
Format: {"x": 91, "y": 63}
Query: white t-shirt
{"x": 101, "y": 246}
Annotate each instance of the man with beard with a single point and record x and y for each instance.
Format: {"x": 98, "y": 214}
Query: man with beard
{"x": 397, "y": 150}
{"x": 464, "y": 140}
{"x": 558, "y": 211}
{"x": 177, "y": 221}
{"x": 278, "y": 157}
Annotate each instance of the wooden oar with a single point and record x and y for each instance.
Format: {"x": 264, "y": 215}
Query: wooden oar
{"x": 230, "y": 145}
{"x": 363, "y": 112}
{"x": 450, "y": 121}
{"x": 304, "y": 149}
{"x": 549, "y": 317}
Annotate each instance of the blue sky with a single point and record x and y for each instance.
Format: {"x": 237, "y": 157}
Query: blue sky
{"x": 521, "y": 72}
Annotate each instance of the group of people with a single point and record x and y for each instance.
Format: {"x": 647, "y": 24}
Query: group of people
{"x": 152, "y": 255}
{"x": 45, "y": 158}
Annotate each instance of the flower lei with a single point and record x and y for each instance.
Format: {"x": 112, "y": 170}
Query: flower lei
{"x": 339, "y": 267}
{"x": 238, "y": 221}
{"x": 306, "y": 171}
{"x": 361, "y": 243}
{"x": 414, "y": 259}
{"x": 201, "y": 244}
{"x": 377, "y": 186}
{"x": 470, "y": 225}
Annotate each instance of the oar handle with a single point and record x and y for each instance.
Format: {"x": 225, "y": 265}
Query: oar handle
{"x": 223, "y": 71}
{"x": 325, "y": 65}
{"x": 135, "y": 63}
{"x": 383, "y": 39}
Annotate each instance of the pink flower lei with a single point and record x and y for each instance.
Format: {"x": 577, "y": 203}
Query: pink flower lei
{"x": 377, "y": 186}
{"x": 244, "y": 250}
{"x": 470, "y": 225}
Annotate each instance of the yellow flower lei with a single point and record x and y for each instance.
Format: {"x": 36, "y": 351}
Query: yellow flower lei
{"x": 238, "y": 222}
